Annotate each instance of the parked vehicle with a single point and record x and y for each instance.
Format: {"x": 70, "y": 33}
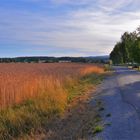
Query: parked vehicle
{"x": 135, "y": 66}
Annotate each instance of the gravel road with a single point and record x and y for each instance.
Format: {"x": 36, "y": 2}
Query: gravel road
{"x": 120, "y": 95}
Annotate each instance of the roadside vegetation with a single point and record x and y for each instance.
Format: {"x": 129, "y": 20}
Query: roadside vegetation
{"x": 32, "y": 95}
{"x": 127, "y": 50}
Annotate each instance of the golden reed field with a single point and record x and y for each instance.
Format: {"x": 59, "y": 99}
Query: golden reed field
{"x": 19, "y": 82}
{"x": 33, "y": 94}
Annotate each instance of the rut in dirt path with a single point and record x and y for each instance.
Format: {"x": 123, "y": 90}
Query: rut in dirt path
{"x": 76, "y": 124}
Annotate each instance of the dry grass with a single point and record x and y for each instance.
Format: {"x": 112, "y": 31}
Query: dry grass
{"x": 32, "y": 94}
{"x": 19, "y": 82}
{"x": 92, "y": 69}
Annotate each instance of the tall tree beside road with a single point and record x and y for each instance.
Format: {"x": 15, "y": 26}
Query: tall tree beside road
{"x": 127, "y": 49}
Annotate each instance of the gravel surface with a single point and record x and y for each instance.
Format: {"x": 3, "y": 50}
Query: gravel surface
{"x": 120, "y": 96}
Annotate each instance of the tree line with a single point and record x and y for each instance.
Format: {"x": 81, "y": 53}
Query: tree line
{"x": 127, "y": 49}
{"x": 46, "y": 59}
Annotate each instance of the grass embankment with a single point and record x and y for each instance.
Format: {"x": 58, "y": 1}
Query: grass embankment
{"x": 33, "y": 115}
{"x": 84, "y": 84}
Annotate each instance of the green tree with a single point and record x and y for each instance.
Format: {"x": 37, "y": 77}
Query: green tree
{"x": 128, "y": 49}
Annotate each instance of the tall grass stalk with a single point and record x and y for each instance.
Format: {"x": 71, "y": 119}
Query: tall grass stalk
{"x": 31, "y": 95}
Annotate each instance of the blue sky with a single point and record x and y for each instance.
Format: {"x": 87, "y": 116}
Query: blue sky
{"x": 64, "y": 27}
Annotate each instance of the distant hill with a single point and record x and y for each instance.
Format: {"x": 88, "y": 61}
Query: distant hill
{"x": 47, "y": 59}
{"x": 104, "y": 58}
{"x": 100, "y": 57}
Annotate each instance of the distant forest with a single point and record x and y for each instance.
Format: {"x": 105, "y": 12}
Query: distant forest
{"x": 127, "y": 49}
{"x": 41, "y": 59}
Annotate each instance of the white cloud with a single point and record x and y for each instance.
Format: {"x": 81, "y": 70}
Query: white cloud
{"x": 111, "y": 5}
{"x": 90, "y": 29}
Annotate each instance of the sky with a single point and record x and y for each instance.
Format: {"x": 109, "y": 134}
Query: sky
{"x": 64, "y": 27}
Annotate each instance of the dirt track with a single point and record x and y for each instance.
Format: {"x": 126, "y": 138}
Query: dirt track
{"x": 77, "y": 122}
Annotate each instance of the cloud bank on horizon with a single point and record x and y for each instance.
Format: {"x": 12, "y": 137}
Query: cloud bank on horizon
{"x": 64, "y": 27}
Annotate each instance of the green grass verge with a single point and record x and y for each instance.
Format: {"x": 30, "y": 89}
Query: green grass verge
{"x": 83, "y": 85}
{"x": 98, "y": 129}
{"x": 108, "y": 67}
{"x": 34, "y": 114}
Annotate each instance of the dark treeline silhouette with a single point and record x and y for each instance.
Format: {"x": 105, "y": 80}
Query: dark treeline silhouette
{"x": 127, "y": 49}
{"x": 41, "y": 59}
